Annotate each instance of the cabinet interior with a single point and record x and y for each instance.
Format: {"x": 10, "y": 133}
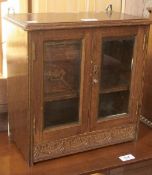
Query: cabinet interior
{"x": 115, "y": 78}
{"x": 62, "y": 76}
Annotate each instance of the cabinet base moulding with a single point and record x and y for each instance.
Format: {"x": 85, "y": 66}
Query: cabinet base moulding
{"x": 83, "y": 142}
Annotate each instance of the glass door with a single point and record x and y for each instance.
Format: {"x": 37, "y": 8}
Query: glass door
{"x": 62, "y": 77}
{"x": 59, "y": 84}
{"x": 115, "y": 76}
{"x": 114, "y": 94}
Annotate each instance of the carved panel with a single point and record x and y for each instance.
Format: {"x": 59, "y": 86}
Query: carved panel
{"x": 83, "y": 142}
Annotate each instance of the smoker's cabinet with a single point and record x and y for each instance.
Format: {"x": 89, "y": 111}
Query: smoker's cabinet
{"x": 74, "y": 85}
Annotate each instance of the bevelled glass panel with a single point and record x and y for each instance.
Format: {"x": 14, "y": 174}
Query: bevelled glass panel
{"x": 116, "y": 64}
{"x": 62, "y": 74}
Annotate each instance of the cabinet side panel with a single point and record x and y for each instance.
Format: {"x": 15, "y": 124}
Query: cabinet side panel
{"x": 147, "y": 96}
{"x": 18, "y": 105}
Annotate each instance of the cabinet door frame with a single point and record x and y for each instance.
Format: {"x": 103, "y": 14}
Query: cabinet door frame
{"x": 135, "y": 98}
{"x": 38, "y": 38}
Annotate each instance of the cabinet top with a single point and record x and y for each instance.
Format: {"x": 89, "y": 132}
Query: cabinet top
{"x": 38, "y": 21}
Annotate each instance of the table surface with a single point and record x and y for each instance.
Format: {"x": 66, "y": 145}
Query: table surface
{"x": 12, "y": 162}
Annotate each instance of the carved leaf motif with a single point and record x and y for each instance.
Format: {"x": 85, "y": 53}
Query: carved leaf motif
{"x": 56, "y": 73}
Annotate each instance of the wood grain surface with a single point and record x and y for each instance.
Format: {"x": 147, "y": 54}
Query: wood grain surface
{"x": 74, "y": 20}
{"x": 29, "y": 56}
{"x": 100, "y": 160}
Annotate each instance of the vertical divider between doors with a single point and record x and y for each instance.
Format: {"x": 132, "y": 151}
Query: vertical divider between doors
{"x": 96, "y": 51}
{"x": 87, "y": 43}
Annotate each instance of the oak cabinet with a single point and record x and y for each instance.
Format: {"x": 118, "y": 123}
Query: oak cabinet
{"x": 74, "y": 84}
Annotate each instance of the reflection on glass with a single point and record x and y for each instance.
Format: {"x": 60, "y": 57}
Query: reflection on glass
{"x": 62, "y": 66}
{"x": 116, "y": 63}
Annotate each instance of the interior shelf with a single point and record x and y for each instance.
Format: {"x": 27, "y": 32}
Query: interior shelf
{"x": 114, "y": 88}
{"x": 61, "y": 96}
{"x": 69, "y": 95}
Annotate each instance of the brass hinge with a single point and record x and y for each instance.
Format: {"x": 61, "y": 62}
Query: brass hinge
{"x": 132, "y": 63}
{"x": 138, "y": 108}
{"x": 34, "y": 125}
{"x": 95, "y": 69}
